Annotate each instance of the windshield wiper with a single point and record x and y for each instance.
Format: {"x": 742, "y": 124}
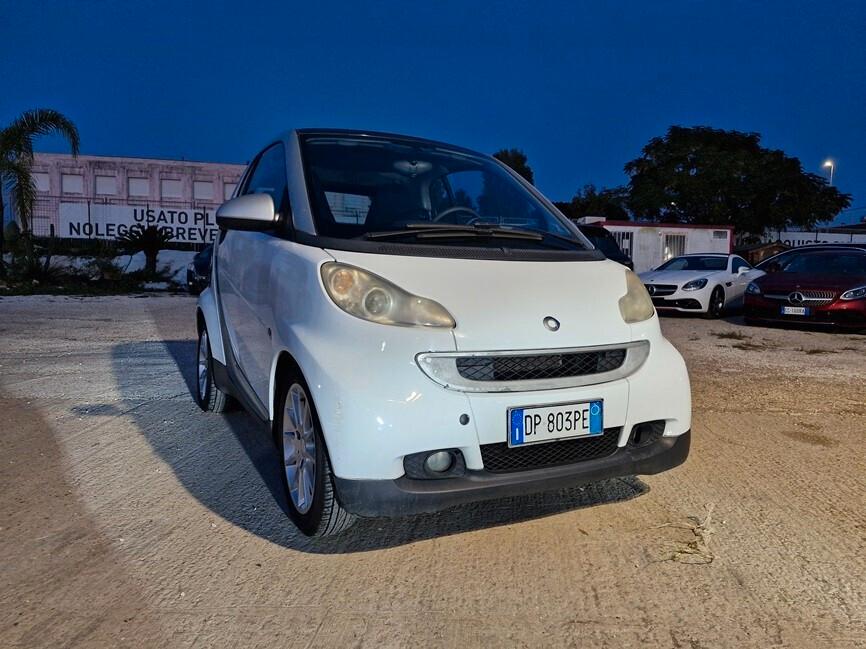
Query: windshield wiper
{"x": 448, "y": 231}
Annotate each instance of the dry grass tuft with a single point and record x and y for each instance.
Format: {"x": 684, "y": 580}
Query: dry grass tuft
{"x": 731, "y": 335}
{"x": 696, "y": 551}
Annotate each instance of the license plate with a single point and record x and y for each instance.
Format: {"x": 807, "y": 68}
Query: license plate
{"x": 548, "y": 423}
{"x": 795, "y": 310}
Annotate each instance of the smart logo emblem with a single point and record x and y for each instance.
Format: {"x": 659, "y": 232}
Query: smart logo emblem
{"x": 551, "y": 323}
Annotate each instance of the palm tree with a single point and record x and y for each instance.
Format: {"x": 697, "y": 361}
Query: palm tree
{"x": 149, "y": 240}
{"x": 16, "y": 159}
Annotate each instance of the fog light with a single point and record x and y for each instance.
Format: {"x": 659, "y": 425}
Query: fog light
{"x": 438, "y": 462}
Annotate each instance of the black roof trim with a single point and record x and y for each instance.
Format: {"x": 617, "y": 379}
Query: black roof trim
{"x": 384, "y": 135}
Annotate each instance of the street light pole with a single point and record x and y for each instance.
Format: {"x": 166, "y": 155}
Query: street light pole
{"x": 829, "y": 163}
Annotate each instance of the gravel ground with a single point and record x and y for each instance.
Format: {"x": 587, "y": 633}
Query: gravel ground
{"x": 130, "y": 518}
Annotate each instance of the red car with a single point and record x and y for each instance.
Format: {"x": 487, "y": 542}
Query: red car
{"x": 825, "y": 287}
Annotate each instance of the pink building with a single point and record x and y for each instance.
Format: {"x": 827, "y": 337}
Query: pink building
{"x": 102, "y": 196}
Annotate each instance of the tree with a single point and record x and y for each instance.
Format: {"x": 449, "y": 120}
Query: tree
{"x": 718, "y": 177}
{"x": 517, "y": 160}
{"x": 16, "y": 162}
{"x": 149, "y": 240}
{"x": 589, "y": 201}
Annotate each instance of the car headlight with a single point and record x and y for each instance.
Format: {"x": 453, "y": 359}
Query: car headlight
{"x": 753, "y": 289}
{"x": 695, "y": 284}
{"x": 635, "y": 305}
{"x": 370, "y": 297}
{"x": 854, "y": 294}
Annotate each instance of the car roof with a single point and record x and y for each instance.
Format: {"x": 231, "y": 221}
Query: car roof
{"x": 337, "y": 132}
{"x": 706, "y": 254}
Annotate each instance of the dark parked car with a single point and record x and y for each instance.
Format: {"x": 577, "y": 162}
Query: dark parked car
{"x": 773, "y": 263}
{"x": 606, "y": 243}
{"x": 198, "y": 271}
{"x": 823, "y": 287}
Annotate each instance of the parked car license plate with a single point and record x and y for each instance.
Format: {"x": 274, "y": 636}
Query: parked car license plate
{"x": 795, "y": 310}
{"x": 561, "y": 421}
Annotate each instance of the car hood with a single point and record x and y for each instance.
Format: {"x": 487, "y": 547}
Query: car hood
{"x": 787, "y": 282}
{"x": 501, "y": 305}
{"x": 678, "y": 277}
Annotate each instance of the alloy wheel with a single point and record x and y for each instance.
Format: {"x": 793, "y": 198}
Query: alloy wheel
{"x": 717, "y": 303}
{"x": 203, "y": 364}
{"x": 299, "y": 448}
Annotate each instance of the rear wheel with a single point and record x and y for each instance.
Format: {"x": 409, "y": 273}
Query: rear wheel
{"x": 207, "y": 395}
{"x": 716, "y": 307}
{"x": 307, "y": 478}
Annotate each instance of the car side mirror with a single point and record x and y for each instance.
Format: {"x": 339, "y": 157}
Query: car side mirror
{"x": 248, "y": 212}
{"x": 742, "y": 270}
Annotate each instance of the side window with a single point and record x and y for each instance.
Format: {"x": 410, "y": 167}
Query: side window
{"x": 739, "y": 262}
{"x": 269, "y": 177}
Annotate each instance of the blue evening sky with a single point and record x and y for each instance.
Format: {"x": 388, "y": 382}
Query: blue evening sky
{"x": 580, "y": 87}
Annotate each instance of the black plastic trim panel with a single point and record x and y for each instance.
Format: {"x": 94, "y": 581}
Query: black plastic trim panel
{"x": 404, "y": 496}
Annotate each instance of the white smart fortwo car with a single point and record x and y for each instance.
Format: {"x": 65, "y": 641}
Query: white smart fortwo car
{"x": 700, "y": 283}
{"x": 420, "y": 327}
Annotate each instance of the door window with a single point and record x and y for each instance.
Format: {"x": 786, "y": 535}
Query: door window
{"x": 739, "y": 263}
{"x": 269, "y": 177}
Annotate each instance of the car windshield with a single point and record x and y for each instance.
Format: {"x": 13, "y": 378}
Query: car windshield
{"x": 697, "y": 262}
{"x": 371, "y": 187}
{"x": 827, "y": 264}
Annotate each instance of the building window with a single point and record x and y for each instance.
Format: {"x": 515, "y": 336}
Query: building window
{"x": 72, "y": 183}
{"x": 720, "y": 234}
{"x": 171, "y": 188}
{"x": 203, "y": 190}
{"x": 106, "y": 185}
{"x": 625, "y": 241}
{"x": 675, "y": 245}
{"x": 138, "y": 186}
{"x": 228, "y": 190}
{"x": 42, "y": 181}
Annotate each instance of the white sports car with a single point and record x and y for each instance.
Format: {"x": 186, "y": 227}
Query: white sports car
{"x": 704, "y": 283}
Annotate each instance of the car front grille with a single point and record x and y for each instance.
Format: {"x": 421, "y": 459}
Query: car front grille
{"x": 500, "y": 458}
{"x": 539, "y": 366}
{"x": 808, "y": 297}
{"x": 661, "y": 290}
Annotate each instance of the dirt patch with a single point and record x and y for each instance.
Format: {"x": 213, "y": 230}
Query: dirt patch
{"x": 808, "y": 437}
{"x": 130, "y": 518}
{"x": 730, "y": 335}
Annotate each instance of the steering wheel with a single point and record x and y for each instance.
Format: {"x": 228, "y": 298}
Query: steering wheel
{"x": 475, "y": 216}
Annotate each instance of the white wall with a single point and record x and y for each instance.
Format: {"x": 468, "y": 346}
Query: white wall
{"x": 648, "y": 247}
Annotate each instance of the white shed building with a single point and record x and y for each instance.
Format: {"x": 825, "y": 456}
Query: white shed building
{"x": 650, "y": 244}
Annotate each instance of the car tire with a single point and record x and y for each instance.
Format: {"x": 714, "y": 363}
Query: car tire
{"x": 716, "y": 306}
{"x": 207, "y": 395}
{"x": 306, "y": 474}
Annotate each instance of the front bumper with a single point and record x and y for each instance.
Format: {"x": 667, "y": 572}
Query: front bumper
{"x": 405, "y": 496}
{"x": 684, "y": 304}
{"x": 843, "y": 314}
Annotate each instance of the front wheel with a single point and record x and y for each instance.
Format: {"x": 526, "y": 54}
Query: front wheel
{"x": 307, "y": 479}
{"x": 716, "y": 307}
{"x": 207, "y": 395}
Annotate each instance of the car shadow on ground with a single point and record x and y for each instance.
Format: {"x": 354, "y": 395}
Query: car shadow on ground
{"x": 228, "y": 463}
